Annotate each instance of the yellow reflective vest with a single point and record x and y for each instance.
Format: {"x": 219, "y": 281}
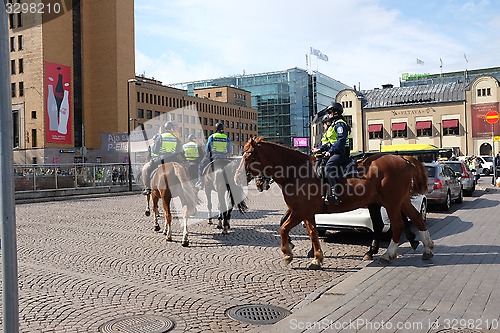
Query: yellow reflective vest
{"x": 191, "y": 151}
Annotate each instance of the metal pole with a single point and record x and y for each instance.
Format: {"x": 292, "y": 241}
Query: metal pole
{"x": 128, "y": 132}
{"x": 493, "y": 180}
{"x": 10, "y": 297}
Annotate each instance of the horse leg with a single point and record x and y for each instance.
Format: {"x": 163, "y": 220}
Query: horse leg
{"x": 410, "y": 235}
{"x": 418, "y": 221}
{"x": 185, "y": 216}
{"x": 227, "y": 217}
{"x": 148, "y": 210}
{"x": 167, "y": 231}
{"x": 283, "y": 219}
{"x": 156, "y": 214}
{"x": 394, "y": 212}
{"x": 378, "y": 226}
{"x": 313, "y": 235}
{"x": 290, "y": 222}
{"x": 209, "y": 203}
{"x": 222, "y": 210}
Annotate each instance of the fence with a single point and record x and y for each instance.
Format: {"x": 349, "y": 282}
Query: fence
{"x": 34, "y": 177}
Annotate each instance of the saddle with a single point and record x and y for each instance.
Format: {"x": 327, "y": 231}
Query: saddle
{"x": 217, "y": 163}
{"x": 347, "y": 170}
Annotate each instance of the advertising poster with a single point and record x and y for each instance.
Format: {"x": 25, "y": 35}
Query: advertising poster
{"x": 301, "y": 142}
{"x": 480, "y": 128}
{"x": 58, "y": 116}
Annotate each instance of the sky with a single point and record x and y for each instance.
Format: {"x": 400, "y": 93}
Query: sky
{"x": 368, "y": 42}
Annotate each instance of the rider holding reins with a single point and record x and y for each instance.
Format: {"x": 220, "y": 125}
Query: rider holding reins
{"x": 338, "y": 137}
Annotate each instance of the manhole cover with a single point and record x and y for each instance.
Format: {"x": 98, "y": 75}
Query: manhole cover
{"x": 138, "y": 324}
{"x": 258, "y": 314}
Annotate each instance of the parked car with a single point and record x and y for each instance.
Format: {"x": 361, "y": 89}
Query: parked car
{"x": 443, "y": 185}
{"x": 486, "y": 164}
{"x": 464, "y": 174}
{"x": 359, "y": 219}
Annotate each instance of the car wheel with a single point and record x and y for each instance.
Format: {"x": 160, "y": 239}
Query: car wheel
{"x": 460, "y": 198}
{"x": 447, "y": 202}
{"x": 486, "y": 172}
{"x": 321, "y": 232}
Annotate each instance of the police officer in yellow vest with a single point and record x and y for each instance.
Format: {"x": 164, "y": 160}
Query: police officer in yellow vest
{"x": 193, "y": 153}
{"x": 337, "y": 149}
{"x": 320, "y": 159}
{"x": 218, "y": 147}
{"x": 166, "y": 148}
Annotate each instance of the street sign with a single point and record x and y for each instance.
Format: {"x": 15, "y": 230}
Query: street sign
{"x": 491, "y": 117}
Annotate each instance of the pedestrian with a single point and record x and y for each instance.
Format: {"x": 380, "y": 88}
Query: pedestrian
{"x": 218, "y": 147}
{"x": 166, "y": 148}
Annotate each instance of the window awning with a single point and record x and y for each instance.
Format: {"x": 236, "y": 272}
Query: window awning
{"x": 450, "y": 123}
{"x": 398, "y": 126}
{"x": 374, "y": 128}
{"x": 424, "y": 124}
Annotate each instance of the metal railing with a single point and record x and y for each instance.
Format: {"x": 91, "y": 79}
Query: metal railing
{"x": 33, "y": 177}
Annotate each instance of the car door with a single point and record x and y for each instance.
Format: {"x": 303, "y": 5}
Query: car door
{"x": 453, "y": 181}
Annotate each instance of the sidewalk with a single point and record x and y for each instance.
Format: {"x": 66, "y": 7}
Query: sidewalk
{"x": 457, "y": 291}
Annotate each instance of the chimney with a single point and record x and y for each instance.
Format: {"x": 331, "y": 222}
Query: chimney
{"x": 387, "y": 86}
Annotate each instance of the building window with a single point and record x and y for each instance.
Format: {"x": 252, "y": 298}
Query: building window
{"x": 205, "y": 121}
{"x": 172, "y": 116}
{"x": 11, "y": 21}
{"x": 21, "y": 66}
{"x": 375, "y": 131}
{"x": 33, "y": 138}
{"x": 399, "y": 130}
{"x": 157, "y": 114}
{"x": 488, "y": 91}
{"x": 149, "y": 114}
{"x": 186, "y": 119}
{"x": 424, "y": 128}
{"x": 12, "y": 67}
{"x": 21, "y": 89}
{"x": 450, "y": 127}
{"x": 15, "y": 120}
{"x": 218, "y": 94}
{"x": 19, "y": 20}
{"x": 140, "y": 113}
{"x": 211, "y": 122}
{"x": 13, "y": 89}
{"x": 33, "y": 114}
{"x": 20, "y": 42}
{"x": 179, "y": 117}
{"x": 348, "y": 120}
{"x": 164, "y": 116}
{"x": 12, "y": 44}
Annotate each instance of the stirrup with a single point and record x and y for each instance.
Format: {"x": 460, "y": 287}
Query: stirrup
{"x": 332, "y": 199}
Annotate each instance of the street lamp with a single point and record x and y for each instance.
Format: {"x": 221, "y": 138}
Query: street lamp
{"x": 128, "y": 132}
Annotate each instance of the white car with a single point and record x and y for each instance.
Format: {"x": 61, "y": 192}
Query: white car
{"x": 486, "y": 164}
{"x": 359, "y": 219}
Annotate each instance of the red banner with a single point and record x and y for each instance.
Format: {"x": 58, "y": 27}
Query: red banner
{"x": 58, "y": 117}
{"x": 480, "y": 128}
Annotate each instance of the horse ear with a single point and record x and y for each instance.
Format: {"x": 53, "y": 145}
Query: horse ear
{"x": 260, "y": 139}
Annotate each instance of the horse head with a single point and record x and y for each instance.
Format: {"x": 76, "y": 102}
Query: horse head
{"x": 248, "y": 165}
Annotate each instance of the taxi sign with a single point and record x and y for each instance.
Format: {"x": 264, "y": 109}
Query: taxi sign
{"x": 491, "y": 117}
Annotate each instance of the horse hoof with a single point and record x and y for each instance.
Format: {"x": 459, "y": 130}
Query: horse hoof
{"x": 224, "y": 231}
{"x": 169, "y": 239}
{"x": 185, "y": 244}
{"x": 368, "y": 256}
{"x": 287, "y": 259}
{"x": 314, "y": 266}
{"x": 157, "y": 228}
{"x": 427, "y": 256}
{"x": 414, "y": 245}
{"x": 386, "y": 259}
{"x": 147, "y": 213}
{"x": 219, "y": 226}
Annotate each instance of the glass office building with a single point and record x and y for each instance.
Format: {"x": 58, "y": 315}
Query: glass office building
{"x": 285, "y": 101}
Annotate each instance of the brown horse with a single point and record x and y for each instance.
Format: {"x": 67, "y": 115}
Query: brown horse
{"x": 388, "y": 180}
{"x": 168, "y": 181}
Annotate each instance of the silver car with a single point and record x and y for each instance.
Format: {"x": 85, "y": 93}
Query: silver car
{"x": 443, "y": 185}
{"x": 464, "y": 174}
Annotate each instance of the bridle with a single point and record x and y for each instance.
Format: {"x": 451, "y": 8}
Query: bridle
{"x": 262, "y": 182}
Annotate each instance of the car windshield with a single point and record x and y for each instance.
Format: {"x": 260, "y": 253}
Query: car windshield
{"x": 457, "y": 167}
{"x": 488, "y": 159}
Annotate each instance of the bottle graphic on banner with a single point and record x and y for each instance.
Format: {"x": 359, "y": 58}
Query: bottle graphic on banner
{"x": 52, "y": 109}
{"x": 59, "y": 93}
{"x": 64, "y": 114}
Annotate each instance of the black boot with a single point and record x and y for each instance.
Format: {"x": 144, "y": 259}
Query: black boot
{"x": 331, "y": 197}
{"x": 147, "y": 181}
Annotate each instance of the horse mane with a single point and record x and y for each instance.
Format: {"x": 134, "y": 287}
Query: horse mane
{"x": 293, "y": 153}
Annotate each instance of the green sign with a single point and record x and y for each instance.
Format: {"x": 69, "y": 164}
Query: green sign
{"x": 409, "y": 76}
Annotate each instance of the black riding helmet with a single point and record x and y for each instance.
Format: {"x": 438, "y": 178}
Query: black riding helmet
{"x": 191, "y": 137}
{"x": 169, "y": 126}
{"x": 335, "y": 107}
{"x": 326, "y": 119}
{"x": 219, "y": 127}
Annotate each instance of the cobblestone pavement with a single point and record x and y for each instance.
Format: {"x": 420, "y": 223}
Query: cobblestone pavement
{"x": 87, "y": 261}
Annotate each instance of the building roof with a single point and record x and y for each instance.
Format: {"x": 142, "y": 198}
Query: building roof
{"x": 421, "y": 94}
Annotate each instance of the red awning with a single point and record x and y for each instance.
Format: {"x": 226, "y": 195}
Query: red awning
{"x": 424, "y": 124}
{"x": 398, "y": 126}
{"x": 374, "y": 128}
{"x": 450, "y": 123}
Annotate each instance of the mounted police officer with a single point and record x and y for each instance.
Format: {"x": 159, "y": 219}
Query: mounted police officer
{"x": 320, "y": 158}
{"x": 338, "y": 137}
{"x": 166, "y": 148}
{"x": 218, "y": 147}
{"x": 193, "y": 153}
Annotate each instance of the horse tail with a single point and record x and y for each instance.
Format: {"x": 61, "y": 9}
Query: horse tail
{"x": 419, "y": 180}
{"x": 188, "y": 190}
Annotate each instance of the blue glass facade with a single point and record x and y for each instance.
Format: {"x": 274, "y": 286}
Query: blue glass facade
{"x": 285, "y": 100}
